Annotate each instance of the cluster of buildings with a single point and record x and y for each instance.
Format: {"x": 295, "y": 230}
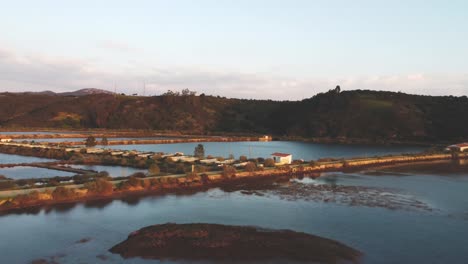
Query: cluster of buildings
{"x": 279, "y": 158}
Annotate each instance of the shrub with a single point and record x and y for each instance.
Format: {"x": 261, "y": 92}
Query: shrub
{"x": 313, "y": 163}
{"x": 269, "y": 163}
{"x": 243, "y": 158}
{"x": 204, "y": 178}
{"x": 191, "y": 175}
{"x": 103, "y": 174}
{"x": 180, "y": 168}
{"x": 154, "y": 169}
{"x": 228, "y": 171}
{"x": 297, "y": 162}
{"x": 138, "y": 175}
{"x": 250, "y": 167}
{"x": 63, "y": 193}
{"x": 133, "y": 181}
{"x": 90, "y": 141}
{"x": 345, "y": 164}
{"x": 4, "y": 185}
{"x": 201, "y": 168}
{"x": 100, "y": 186}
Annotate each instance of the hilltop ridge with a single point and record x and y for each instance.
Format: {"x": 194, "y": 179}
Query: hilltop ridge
{"x": 371, "y": 115}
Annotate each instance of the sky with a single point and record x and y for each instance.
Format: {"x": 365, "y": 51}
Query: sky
{"x": 264, "y": 49}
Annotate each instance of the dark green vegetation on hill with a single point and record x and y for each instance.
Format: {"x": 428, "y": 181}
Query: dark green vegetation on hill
{"x": 368, "y": 115}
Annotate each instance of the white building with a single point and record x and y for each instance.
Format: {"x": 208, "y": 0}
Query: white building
{"x": 458, "y": 147}
{"x": 281, "y": 158}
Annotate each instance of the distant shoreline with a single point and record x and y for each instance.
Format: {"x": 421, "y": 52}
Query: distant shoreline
{"x": 135, "y": 134}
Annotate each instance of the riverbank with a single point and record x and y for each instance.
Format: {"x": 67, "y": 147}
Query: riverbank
{"x": 201, "y": 181}
{"x": 50, "y": 133}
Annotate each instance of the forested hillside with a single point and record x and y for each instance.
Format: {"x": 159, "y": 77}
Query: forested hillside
{"x": 368, "y": 115}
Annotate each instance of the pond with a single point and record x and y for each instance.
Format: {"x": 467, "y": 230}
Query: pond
{"x": 114, "y": 171}
{"x": 11, "y": 159}
{"x": 25, "y": 172}
{"x": 384, "y": 235}
{"x": 55, "y": 140}
{"x": 299, "y": 150}
{"x": 42, "y": 132}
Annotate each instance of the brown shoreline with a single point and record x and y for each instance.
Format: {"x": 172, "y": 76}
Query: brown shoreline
{"x": 166, "y": 189}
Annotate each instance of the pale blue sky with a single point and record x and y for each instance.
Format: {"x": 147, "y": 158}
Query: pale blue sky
{"x": 254, "y": 48}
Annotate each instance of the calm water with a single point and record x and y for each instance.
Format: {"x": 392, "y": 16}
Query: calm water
{"x": 385, "y": 236}
{"x": 299, "y": 150}
{"x": 9, "y": 159}
{"x": 25, "y": 172}
{"x": 42, "y": 132}
{"x": 114, "y": 171}
{"x": 83, "y": 139}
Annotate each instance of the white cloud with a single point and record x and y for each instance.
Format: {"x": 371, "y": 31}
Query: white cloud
{"x": 36, "y": 72}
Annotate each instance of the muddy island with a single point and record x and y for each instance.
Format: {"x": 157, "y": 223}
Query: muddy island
{"x": 240, "y": 243}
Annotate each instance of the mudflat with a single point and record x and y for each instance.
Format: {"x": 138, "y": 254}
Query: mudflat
{"x": 240, "y": 243}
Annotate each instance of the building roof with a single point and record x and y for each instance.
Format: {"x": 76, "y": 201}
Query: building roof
{"x": 278, "y": 154}
{"x": 461, "y": 145}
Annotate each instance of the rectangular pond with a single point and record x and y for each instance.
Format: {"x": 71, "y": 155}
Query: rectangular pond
{"x": 253, "y": 149}
{"x": 25, "y": 172}
{"x": 114, "y": 171}
{"x": 55, "y": 140}
{"x": 11, "y": 159}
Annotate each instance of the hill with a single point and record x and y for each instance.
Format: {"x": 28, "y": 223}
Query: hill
{"x": 369, "y": 115}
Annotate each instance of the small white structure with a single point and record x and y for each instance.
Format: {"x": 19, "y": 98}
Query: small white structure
{"x": 72, "y": 150}
{"x": 458, "y": 147}
{"x": 265, "y": 138}
{"x": 281, "y": 158}
{"x": 94, "y": 150}
{"x": 183, "y": 158}
{"x": 208, "y": 161}
{"x": 5, "y": 140}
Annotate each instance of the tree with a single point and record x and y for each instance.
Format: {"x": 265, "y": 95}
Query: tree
{"x": 62, "y": 193}
{"x": 191, "y": 175}
{"x": 154, "y": 169}
{"x": 228, "y": 171}
{"x": 269, "y": 163}
{"x": 337, "y": 89}
{"x": 90, "y": 141}
{"x": 243, "y": 158}
{"x": 199, "y": 151}
{"x": 99, "y": 186}
{"x": 250, "y": 167}
{"x": 104, "y": 141}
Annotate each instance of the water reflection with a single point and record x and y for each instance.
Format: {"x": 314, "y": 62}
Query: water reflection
{"x": 98, "y": 204}
{"x": 299, "y": 150}
{"x": 430, "y": 237}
